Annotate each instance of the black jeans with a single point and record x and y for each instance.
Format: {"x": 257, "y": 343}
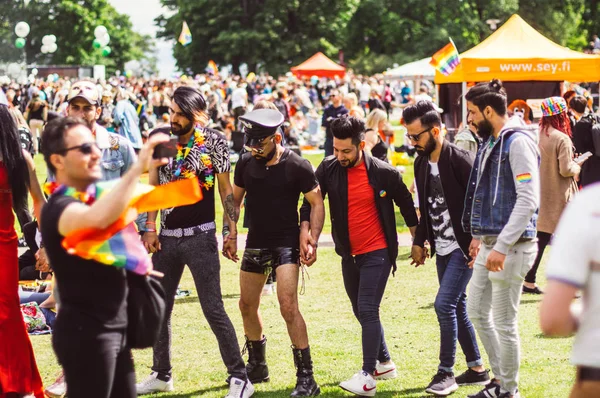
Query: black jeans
{"x": 97, "y": 362}
{"x": 543, "y": 241}
{"x": 200, "y": 254}
{"x": 365, "y": 278}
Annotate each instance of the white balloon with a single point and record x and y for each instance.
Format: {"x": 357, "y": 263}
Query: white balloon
{"x": 100, "y": 31}
{"x": 104, "y": 40}
{"x": 22, "y": 29}
{"x": 47, "y": 40}
{"x": 13, "y": 69}
{"x": 52, "y": 47}
{"x": 44, "y": 49}
{"x": 34, "y": 71}
{"x": 52, "y": 38}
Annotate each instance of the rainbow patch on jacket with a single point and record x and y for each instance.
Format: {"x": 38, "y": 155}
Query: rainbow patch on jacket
{"x": 524, "y": 178}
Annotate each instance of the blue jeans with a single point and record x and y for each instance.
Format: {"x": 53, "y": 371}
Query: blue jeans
{"x": 451, "y": 309}
{"x": 365, "y": 278}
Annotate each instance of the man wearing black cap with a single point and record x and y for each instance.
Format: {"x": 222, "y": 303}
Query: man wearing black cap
{"x": 187, "y": 237}
{"x": 273, "y": 177}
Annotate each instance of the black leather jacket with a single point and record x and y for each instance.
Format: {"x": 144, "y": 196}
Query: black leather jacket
{"x": 388, "y": 188}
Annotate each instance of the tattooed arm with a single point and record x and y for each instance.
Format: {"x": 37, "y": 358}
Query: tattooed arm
{"x": 230, "y": 216}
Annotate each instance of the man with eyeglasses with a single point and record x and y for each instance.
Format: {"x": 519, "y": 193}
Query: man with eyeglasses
{"x": 332, "y": 112}
{"x": 272, "y": 178}
{"x": 117, "y": 152}
{"x": 442, "y": 173}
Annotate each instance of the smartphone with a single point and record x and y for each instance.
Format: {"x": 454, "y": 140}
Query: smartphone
{"x": 166, "y": 149}
{"x": 580, "y": 159}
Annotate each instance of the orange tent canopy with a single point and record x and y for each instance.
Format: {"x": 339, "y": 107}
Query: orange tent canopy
{"x": 319, "y": 65}
{"x": 518, "y": 52}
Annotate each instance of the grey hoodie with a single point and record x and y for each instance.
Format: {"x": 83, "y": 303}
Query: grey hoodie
{"x": 524, "y": 158}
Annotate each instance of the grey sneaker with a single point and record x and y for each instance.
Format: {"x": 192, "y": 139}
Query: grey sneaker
{"x": 442, "y": 384}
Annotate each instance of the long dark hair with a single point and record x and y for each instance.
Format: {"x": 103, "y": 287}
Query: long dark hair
{"x": 12, "y": 156}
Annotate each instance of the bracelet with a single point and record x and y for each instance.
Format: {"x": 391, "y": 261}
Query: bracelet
{"x": 150, "y": 222}
{"x": 150, "y": 230}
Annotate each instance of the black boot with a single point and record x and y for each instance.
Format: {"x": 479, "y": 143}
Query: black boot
{"x": 306, "y": 386}
{"x": 257, "y": 369}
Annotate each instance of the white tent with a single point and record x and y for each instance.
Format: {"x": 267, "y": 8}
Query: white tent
{"x": 417, "y": 70}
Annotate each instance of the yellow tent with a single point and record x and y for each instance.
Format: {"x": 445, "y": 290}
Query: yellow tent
{"x": 517, "y": 52}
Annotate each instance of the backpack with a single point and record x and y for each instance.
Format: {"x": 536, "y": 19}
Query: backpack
{"x": 26, "y": 140}
{"x": 595, "y": 132}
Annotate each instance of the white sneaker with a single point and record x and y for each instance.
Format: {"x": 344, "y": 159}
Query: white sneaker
{"x": 268, "y": 289}
{"x": 239, "y": 388}
{"x": 59, "y": 388}
{"x": 361, "y": 384}
{"x": 385, "y": 372}
{"x": 153, "y": 384}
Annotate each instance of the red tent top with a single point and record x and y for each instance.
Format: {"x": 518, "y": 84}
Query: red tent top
{"x": 319, "y": 65}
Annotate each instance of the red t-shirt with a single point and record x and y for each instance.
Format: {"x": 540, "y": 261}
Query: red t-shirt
{"x": 364, "y": 226}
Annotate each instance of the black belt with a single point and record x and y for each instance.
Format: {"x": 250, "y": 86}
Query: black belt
{"x": 585, "y": 373}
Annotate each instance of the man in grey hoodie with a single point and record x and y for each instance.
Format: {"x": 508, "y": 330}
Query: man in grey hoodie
{"x": 500, "y": 212}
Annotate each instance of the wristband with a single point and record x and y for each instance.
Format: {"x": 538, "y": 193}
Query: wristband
{"x": 150, "y": 230}
{"x": 150, "y": 223}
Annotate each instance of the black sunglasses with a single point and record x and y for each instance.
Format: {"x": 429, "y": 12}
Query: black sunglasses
{"x": 416, "y": 137}
{"x": 85, "y": 149}
{"x": 259, "y": 149}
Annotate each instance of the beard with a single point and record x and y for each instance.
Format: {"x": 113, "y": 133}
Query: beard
{"x": 348, "y": 164}
{"x": 428, "y": 148}
{"x": 266, "y": 157}
{"x": 179, "y": 130}
{"x": 484, "y": 129}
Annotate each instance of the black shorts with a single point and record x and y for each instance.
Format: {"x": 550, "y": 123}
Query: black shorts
{"x": 263, "y": 261}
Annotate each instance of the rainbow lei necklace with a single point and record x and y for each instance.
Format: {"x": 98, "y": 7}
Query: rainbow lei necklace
{"x": 183, "y": 170}
{"x": 86, "y": 197}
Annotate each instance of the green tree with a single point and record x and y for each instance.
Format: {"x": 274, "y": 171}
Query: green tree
{"x": 73, "y": 23}
{"x": 273, "y": 33}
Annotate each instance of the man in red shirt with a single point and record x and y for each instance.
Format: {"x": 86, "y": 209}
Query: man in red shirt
{"x": 362, "y": 192}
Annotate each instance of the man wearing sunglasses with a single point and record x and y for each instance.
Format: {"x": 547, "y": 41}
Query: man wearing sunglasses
{"x": 272, "y": 178}
{"x": 117, "y": 152}
{"x": 332, "y": 112}
{"x": 442, "y": 173}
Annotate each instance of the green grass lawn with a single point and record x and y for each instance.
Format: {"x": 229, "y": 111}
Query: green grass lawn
{"x": 407, "y": 313}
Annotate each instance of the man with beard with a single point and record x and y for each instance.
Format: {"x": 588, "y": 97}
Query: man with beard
{"x": 332, "y": 112}
{"x": 117, "y": 152}
{"x": 442, "y": 172}
{"x": 272, "y": 178}
{"x": 500, "y": 212}
{"x": 187, "y": 236}
{"x": 362, "y": 191}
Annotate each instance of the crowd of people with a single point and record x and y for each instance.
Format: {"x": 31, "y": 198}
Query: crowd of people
{"x": 486, "y": 206}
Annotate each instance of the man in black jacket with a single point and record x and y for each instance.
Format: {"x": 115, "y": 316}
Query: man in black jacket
{"x": 362, "y": 192}
{"x": 442, "y": 173}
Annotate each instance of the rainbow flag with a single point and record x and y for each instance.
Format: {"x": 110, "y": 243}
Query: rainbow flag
{"x": 119, "y": 245}
{"x": 212, "y": 68}
{"x": 446, "y": 60}
{"x": 185, "y": 37}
